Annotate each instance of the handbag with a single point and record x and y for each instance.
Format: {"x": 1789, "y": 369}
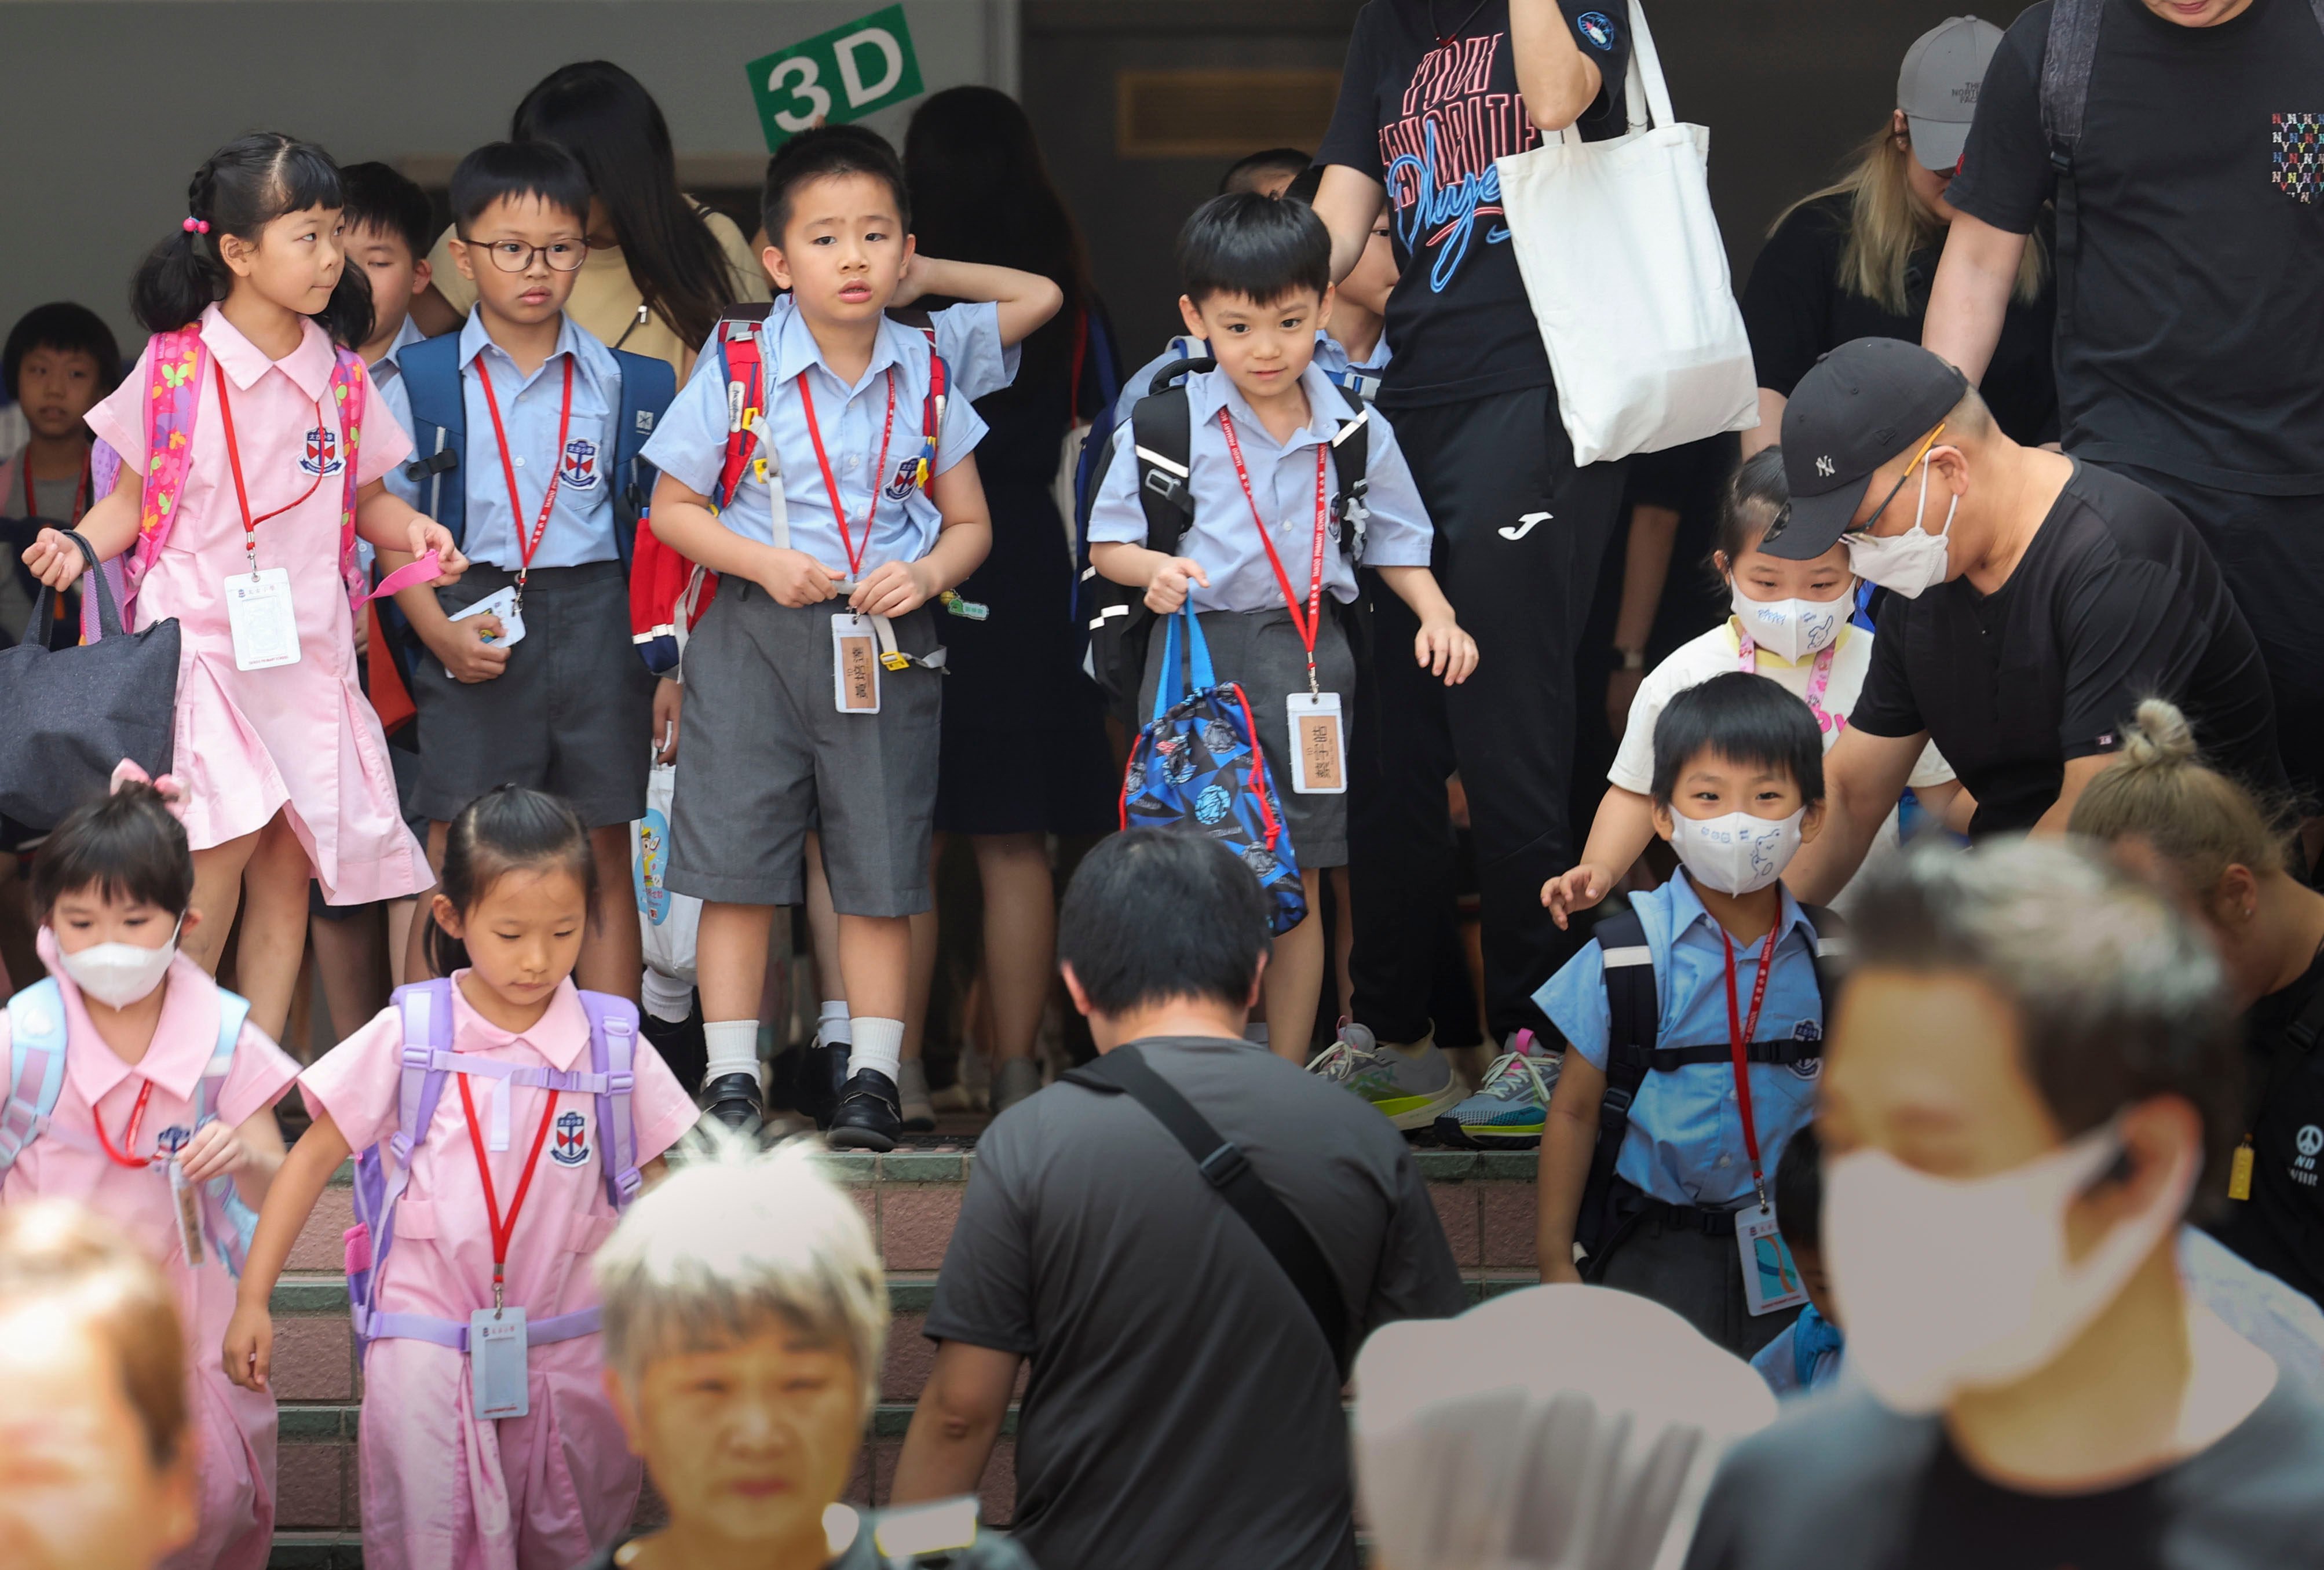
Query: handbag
{"x": 1197, "y": 767}
{"x": 68, "y": 716}
{"x": 1626, "y": 275}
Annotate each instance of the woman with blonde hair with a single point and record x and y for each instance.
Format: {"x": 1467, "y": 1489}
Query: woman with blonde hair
{"x": 2231, "y": 859}
{"x": 1855, "y": 260}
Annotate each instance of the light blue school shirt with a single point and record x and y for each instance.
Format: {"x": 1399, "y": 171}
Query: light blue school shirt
{"x": 581, "y": 526}
{"x": 1684, "y": 1145}
{"x": 1361, "y": 377}
{"x": 689, "y": 443}
{"x": 1224, "y": 536}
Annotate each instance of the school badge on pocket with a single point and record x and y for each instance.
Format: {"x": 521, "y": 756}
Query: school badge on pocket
{"x": 2299, "y": 155}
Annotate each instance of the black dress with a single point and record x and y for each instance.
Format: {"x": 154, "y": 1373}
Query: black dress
{"x": 1023, "y": 746}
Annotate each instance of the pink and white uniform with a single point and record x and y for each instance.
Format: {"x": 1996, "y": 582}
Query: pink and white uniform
{"x": 233, "y": 1428}
{"x": 442, "y": 1490}
{"x": 251, "y": 742}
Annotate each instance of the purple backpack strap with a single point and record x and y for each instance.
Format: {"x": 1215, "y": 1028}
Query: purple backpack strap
{"x": 426, "y": 1011}
{"x": 613, "y": 1052}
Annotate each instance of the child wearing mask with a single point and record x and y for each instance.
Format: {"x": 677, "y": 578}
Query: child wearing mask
{"x": 1729, "y": 1073}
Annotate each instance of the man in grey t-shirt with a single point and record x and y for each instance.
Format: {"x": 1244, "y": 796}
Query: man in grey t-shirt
{"x": 1183, "y": 1405}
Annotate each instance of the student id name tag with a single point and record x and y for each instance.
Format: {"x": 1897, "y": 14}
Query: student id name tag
{"x": 1771, "y": 1281}
{"x": 186, "y": 1204}
{"x": 1319, "y": 747}
{"x": 497, "y": 1386}
{"x": 854, "y": 664}
{"x": 259, "y": 614}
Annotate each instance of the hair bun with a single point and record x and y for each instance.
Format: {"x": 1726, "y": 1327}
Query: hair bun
{"x": 2158, "y": 736}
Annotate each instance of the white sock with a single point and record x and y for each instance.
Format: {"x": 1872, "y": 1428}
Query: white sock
{"x": 835, "y": 1028}
{"x": 732, "y": 1048}
{"x": 666, "y": 997}
{"x": 879, "y": 1044}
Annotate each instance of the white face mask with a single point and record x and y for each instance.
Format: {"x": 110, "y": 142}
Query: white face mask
{"x": 118, "y": 974}
{"x": 1946, "y": 1285}
{"x": 1793, "y": 630}
{"x": 1910, "y": 563}
{"x": 1737, "y": 853}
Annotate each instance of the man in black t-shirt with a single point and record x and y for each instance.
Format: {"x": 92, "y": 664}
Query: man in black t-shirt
{"x": 2028, "y": 1082}
{"x": 2034, "y": 601}
{"x": 1431, "y": 95}
{"x": 2190, "y": 290}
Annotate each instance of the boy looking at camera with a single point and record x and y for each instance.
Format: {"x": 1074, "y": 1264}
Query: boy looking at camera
{"x": 813, "y": 678}
{"x": 1264, "y": 549}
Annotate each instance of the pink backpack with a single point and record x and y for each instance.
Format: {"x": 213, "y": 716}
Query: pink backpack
{"x": 173, "y": 389}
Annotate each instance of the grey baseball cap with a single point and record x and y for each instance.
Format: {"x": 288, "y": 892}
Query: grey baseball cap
{"x": 1936, "y": 88}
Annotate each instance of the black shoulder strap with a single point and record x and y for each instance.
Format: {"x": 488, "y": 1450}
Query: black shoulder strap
{"x": 1351, "y": 456}
{"x": 1124, "y": 1071}
{"x": 1634, "y": 1012}
{"x": 1162, "y": 439}
{"x": 2066, "y": 61}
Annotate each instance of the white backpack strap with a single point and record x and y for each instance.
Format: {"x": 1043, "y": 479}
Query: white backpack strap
{"x": 233, "y": 1010}
{"x": 36, "y": 1068}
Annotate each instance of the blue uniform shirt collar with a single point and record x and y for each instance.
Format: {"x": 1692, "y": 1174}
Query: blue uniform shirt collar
{"x": 791, "y": 347}
{"x": 475, "y": 340}
{"x": 1213, "y": 391}
{"x": 1685, "y": 908}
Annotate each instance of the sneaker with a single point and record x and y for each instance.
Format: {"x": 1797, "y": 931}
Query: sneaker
{"x": 823, "y": 1070}
{"x": 1410, "y": 1091}
{"x": 1017, "y": 1078}
{"x": 733, "y": 1100}
{"x": 1508, "y": 1113}
{"x": 919, "y": 1113}
{"x": 868, "y": 1117}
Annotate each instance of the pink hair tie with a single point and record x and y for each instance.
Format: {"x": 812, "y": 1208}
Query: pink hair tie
{"x": 171, "y": 788}
{"x": 196, "y": 227}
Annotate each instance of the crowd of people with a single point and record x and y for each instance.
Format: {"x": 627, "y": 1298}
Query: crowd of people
{"x": 1993, "y": 1155}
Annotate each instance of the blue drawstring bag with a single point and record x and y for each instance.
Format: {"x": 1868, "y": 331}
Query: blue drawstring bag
{"x": 1197, "y": 767}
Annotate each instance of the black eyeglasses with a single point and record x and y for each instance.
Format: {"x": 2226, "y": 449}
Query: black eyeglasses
{"x": 516, "y": 257}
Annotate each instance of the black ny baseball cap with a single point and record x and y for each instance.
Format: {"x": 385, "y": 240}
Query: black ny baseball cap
{"x": 1858, "y": 407}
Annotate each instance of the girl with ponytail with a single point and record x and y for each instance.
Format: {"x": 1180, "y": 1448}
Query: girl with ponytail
{"x": 243, "y": 481}
{"x": 2230, "y": 857}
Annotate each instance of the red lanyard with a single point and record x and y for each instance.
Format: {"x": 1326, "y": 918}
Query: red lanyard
{"x": 1739, "y": 1031}
{"x": 234, "y": 459}
{"x": 128, "y": 1132}
{"x": 1306, "y": 626}
{"x": 831, "y": 486}
{"x": 525, "y": 548}
{"x": 504, "y": 1230}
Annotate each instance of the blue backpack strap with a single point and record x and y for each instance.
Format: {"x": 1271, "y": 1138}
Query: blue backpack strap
{"x": 226, "y": 1220}
{"x": 648, "y": 385}
{"x": 425, "y": 1008}
{"x": 613, "y": 1053}
{"x": 36, "y": 1068}
{"x": 439, "y": 429}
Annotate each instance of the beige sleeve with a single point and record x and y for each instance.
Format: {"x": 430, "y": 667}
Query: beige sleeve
{"x": 456, "y": 291}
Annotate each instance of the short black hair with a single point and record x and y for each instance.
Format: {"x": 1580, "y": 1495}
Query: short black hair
{"x": 505, "y": 171}
{"x": 1154, "y": 914}
{"x": 125, "y": 845}
{"x": 387, "y": 201}
{"x": 1799, "y": 1190}
{"x": 1750, "y": 719}
{"x": 1755, "y": 498}
{"x": 1242, "y": 174}
{"x": 821, "y": 153}
{"x": 1304, "y": 185}
{"x": 1253, "y": 245}
{"x": 65, "y": 326}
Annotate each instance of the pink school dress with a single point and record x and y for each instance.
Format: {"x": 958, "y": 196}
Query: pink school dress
{"x": 442, "y": 1489}
{"x": 302, "y": 737}
{"x": 233, "y": 1428}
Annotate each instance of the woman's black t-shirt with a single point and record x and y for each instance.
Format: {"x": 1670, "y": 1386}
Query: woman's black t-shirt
{"x": 1425, "y": 115}
{"x": 1795, "y": 309}
{"x": 2281, "y": 1227}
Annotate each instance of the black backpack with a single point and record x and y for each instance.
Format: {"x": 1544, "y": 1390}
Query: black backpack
{"x": 1634, "y": 1022}
{"x": 1162, "y": 435}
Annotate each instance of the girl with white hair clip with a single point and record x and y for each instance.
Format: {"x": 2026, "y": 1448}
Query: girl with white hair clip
{"x": 746, "y": 1319}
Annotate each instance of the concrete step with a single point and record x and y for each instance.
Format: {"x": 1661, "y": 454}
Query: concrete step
{"x": 911, "y": 1198}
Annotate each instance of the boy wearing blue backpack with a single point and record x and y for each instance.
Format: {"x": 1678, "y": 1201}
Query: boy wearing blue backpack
{"x": 1692, "y": 1058}
{"x": 1264, "y": 534}
{"x": 820, "y": 462}
{"x": 526, "y": 432}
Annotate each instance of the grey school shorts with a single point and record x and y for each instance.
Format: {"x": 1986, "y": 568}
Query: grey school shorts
{"x": 1261, "y": 651}
{"x": 572, "y": 712}
{"x": 764, "y": 756}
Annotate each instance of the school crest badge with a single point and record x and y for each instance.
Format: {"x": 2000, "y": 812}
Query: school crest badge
{"x": 580, "y": 467}
{"x": 2299, "y": 155}
{"x": 907, "y": 475}
{"x": 321, "y": 453}
{"x": 572, "y": 1145}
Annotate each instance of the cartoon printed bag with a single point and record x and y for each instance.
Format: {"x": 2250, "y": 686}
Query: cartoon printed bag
{"x": 1197, "y": 767}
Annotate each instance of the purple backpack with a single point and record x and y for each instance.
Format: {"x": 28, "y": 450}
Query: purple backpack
{"x": 382, "y": 1169}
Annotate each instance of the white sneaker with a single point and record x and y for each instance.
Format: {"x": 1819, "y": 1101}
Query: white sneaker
{"x": 1409, "y": 1087}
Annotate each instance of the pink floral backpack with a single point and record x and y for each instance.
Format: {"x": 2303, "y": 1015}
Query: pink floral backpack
{"x": 172, "y": 393}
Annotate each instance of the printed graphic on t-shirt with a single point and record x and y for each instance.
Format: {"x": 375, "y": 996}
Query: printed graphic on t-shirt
{"x": 1439, "y": 151}
{"x": 579, "y": 469}
{"x": 2299, "y": 155}
{"x": 321, "y": 455}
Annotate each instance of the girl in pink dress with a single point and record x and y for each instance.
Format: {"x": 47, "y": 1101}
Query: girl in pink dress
{"x": 140, "y": 1109}
{"x": 236, "y": 432}
{"x": 507, "y": 1187}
